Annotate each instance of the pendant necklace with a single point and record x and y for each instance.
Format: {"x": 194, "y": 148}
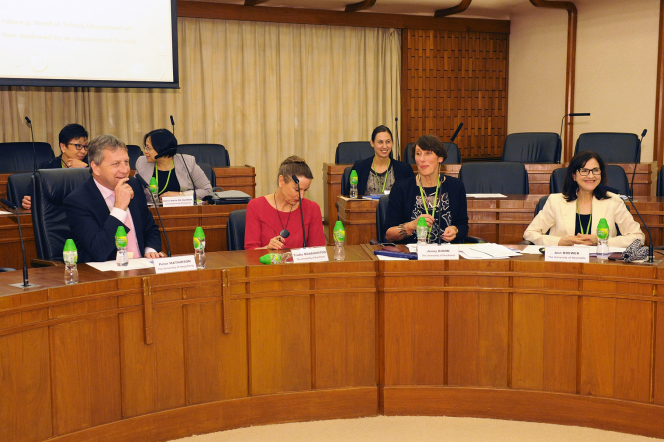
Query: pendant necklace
{"x": 284, "y": 233}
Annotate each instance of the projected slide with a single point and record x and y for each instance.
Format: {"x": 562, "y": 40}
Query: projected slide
{"x": 91, "y": 40}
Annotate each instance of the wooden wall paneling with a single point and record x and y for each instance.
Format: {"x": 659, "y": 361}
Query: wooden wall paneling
{"x": 560, "y": 343}
{"x": 25, "y": 408}
{"x": 598, "y": 342}
{"x": 528, "y": 342}
{"x": 658, "y": 369}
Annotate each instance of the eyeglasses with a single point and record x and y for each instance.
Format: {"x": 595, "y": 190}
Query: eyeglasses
{"x": 147, "y": 148}
{"x": 78, "y": 146}
{"x": 596, "y": 171}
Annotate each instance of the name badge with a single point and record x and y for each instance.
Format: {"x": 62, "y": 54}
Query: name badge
{"x": 178, "y": 201}
{"x": 566, "y": 254}
{"x": 430, "y": 252}
{"x": 175, "y": 264}
{"x": 310, "y": 254}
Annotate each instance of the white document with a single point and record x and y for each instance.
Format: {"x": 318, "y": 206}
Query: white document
{"x": 310, "y": 254}
{"x": 2, "y": 212}
{"x": 532, "y": 250}
{"x": 485, "y": 195}
{"x": 389, "y": 258}
{"x": 178, "y": 201}
{"x": 175, "y": 264}
{"x": 111, "y": 266}
{"x": 486, "y": 251}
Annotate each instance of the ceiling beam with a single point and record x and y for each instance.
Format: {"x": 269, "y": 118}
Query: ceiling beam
{"x": 253, "y": 2}
{"x": 366, "y": 4}
{"x": 453, "y": 10}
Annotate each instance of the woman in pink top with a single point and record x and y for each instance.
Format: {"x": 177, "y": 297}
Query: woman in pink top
{"x": 274, "y": 221}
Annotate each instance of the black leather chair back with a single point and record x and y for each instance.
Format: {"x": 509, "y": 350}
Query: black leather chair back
{"x": 613, "y": 147}
{"x": 134, "y": 152}
{"x": 540, "y": 204}
{"x": 235, "y": 229}
{"x": 615, "y": 177}
{"x": 345, "y": 181}
{"x": 532, "y": 147}
{"x": 350, "y": 151}
{"x": 18, "y": 157}
{"x": 209, "y": 173}
{"x": 17, "y": 186}
{"x": 506, "y": 178}
{"x": 453, "y": 154}
{"x": 660, "y": 182}
{"x": 49, "y": 222}
{"x": 215, "y": 155}
{"x": 381, "y": 213}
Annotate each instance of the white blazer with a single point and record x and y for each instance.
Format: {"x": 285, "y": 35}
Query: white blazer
{"x": 560, "y": 216}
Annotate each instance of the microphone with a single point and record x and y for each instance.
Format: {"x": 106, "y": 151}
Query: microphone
{"x": 173, "y": 125}
{"x": 456, "y": 132}
{"x": 396, "y": 131}
{"x": 142, "y": 182}
{"x": 651, "y": 252}
{"x": 299, "y": 194}
{"x": 636, "y": 161}
{"x": 573, "y": 114}
{"x": 34, "y": 152}
{"x": 14, "y": 209}
{"x": 167, "y": 153}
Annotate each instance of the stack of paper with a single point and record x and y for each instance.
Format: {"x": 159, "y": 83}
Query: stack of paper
{"x": 485, "y": 195}
{"x": 486, "y": 251}
{"x": 111, "y": 266}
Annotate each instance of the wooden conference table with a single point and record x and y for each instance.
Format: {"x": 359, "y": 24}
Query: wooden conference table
{"x": 538, "y": 184}
{"x": 499, "y": 220}
{"x": 138, "y": 356}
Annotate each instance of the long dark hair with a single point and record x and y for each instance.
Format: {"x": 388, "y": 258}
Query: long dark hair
{"x": 570, "y": 187}
{"x": 161, "y": 139}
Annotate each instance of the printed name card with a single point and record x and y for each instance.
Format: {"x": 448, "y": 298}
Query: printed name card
{"x": 178, "y": 201}
{"x": 310, "y": 254}
{"x": 175, "y": 264}
{"x": 434, "y": 251}
{"x": 567, "y": 254}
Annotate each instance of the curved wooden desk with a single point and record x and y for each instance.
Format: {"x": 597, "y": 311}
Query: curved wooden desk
{"x": 138, "y": 356}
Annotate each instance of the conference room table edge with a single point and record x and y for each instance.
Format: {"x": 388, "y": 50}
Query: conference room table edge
{"x": 405, "y": 296}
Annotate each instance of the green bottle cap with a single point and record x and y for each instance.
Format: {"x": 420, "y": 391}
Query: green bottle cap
{"x": 353, "y": 177}
{"x": 265, "y": 259}
{"x": 421, "y": 222}
{"x": 153, "y": 180}
{"x": 198, "y": 233}
{"x": 602, "y": 229}
{"x": 338, "y": 225}
{"x": 70, "y": 246}
{"x": 121, "y": 231}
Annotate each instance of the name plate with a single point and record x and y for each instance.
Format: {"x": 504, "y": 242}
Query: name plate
{"x": 178, "y": 201}
{"x": 430, "y": 252}
{"x": 175, "y": 264}
{"x": 310, "y": 254}
{"x": 566, "y": 254}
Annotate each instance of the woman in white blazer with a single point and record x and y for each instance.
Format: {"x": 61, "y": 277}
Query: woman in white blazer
{"x": 572, "y": 216}
{"x": 170, "y": 171}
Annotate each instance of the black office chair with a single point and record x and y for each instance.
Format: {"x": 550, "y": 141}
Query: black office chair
{"x": 660, "y": 182}
{"x": 507, "y": 178}
{"x": 17, "y": 186}
{"x": 215, "y": 155}
{"x": 134, "y": 152}
{"x": 345, "y": 181}
{"x": 615, "y": 177}
{"x": 209, "y": 173}
{"x": 235, "y": 229}
{"x": 613, "y": 147}
{"x": 453, "y": 154}
{"x": 532, "y": 147}
{"x": 350, "y": 151}
{"x": 18, "y": 157}
{"x": 49, "y": 222}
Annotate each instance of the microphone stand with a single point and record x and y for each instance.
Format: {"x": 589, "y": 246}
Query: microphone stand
{"x": 26, "y": 284}
{"x": 142, "y": 182}
{"x": 173, "y": 125}
{"x": 573, "y": 114}
{"x": 636, "y": 161}
{"x": 34, "y": 152}
{"x": 299, "y": 194}
{"x": 396, "y": 131}
{"x": 193, "y": 185}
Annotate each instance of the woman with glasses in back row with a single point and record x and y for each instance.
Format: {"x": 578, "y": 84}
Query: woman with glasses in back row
{"x": 572, "y": 216}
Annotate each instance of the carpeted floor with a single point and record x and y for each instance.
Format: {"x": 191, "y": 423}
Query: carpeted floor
{"x": 420, "y": 429}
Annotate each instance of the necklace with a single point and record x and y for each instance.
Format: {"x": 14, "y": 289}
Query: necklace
{"x": 284, "y": 233}
{"x": 373, "y": 169}
{"x": 156, "y": 174}
{"x": 424, "y": 201}
{"x": 587, "y": 231}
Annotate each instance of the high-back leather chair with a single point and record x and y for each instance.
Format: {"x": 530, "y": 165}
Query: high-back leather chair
{"x": 49, "y": 222}
{"x": 488, "y": 177}
{"x": 209, "y": 173}
{"x": 453, "y": 153}
{"x": 17, "y": 186}
{"x": 18, "y": 157}
{"x": 660, "y": 182}
{"x": 615, "y": 177}
{"x": 350, "y": 151}
{"x": 613, "y": 147}
{"x": 532, "y": 147}
{"x": 134, "y": 152}
{"x": 235, "y": 229}
{"x": 381, "y": 213}
{"x": 215, "y": 155}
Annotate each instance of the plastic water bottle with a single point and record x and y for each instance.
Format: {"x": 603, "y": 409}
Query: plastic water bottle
{"x": 603, "y": 239}
{"x": 199, "y": 248}
{"x": 274, "y": 258}
{"x": 353, "y": 184}
{"x": 70, "y": 257}
{"x": 422, "y": 232}
{"x": 339, "y": 241}
{"x": 121, "y": 257}
{"x": 154, "y": 190}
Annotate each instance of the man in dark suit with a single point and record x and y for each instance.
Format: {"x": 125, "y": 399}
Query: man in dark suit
{"x": 109, "y": 199}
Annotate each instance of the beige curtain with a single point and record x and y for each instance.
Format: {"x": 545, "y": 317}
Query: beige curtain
{"x": 264, "y": 90}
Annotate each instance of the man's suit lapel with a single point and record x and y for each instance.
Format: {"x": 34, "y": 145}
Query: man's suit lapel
{"x": 100, "y": 209}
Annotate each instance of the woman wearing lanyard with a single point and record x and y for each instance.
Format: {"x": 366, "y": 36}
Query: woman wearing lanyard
{"x": 377, "y": 174}
{"x": 439, "y": 199}
{"x": 572, "y": 217}
{"x": 171, "y": 171}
